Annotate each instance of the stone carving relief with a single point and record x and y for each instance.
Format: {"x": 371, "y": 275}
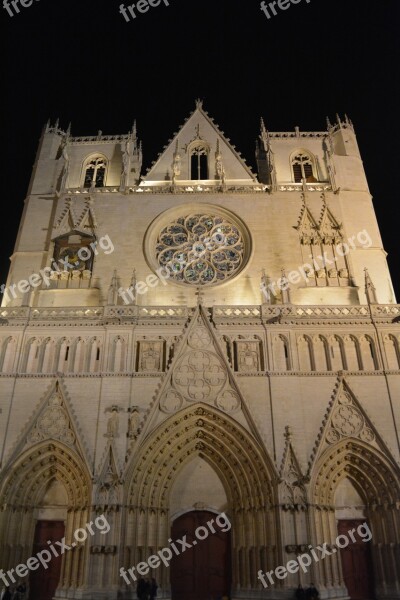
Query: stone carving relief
{"x": 53, "y": 423}
{"x": 248, "y": 357}
{"x": 151, "y": 356}
{"x": 229, "y": 401}
{"x": 133, "y": 422}
{"x": 347, "y": 421}
{"x": 171, "y": 401}
{"x": 113, "y": 423}
{"x": 108, "y": 491}
{"x": 293, "y": 491}
{"x": 199, "y": 375}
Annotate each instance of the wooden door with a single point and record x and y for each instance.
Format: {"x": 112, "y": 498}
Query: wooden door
{"x": 202, "y": 572}
{"x": 356, "y": 563}
{"x": 43, "y": 582}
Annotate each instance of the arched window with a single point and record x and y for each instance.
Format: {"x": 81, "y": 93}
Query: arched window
{"x": 282, "y": 355}
{"x": 94, "y": 172}
{"x": 199, "y": 162}
{"x": 303, "y": 167}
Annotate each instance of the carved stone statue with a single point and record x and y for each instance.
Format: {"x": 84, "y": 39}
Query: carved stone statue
{"x": 219, "y": 166}
{"x": 176, "y": 165}
{"x": 126, "y": 158}
{"x": 113, "y": 423}
{"x": 65, "y": 169}
{"x": 133, "y": 424}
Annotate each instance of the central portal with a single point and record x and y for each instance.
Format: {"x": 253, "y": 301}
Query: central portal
{"x": 202, "y": 572}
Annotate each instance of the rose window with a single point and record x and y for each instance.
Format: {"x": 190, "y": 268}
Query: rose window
{"x": 200, "y": 249}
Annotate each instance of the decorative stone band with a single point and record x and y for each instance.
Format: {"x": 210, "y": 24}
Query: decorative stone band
{"x": 384, "y": 313}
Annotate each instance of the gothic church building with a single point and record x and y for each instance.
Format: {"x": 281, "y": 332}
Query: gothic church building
{"x": 201, "y": 339}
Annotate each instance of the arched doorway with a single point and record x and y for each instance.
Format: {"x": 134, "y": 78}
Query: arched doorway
{"x": 202, "y": 572}
{"x": 201, "y": 434}
{"x": 355, "y": 483}
{"x": 51, "y": 516}
{"x": 356, "y": 558}
{"x": 46, "y": 489}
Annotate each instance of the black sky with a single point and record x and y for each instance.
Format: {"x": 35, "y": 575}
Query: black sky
{"x": 82, "y": 62}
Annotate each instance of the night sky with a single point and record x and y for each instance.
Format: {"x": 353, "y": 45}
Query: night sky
{"x": 82, "y": 62}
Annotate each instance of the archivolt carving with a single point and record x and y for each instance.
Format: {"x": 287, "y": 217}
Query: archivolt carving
{"x": 372, "y": 473}
{"x": 245, "y": 470}
{"x": 25, "y": 483}
{"x": 199, "y": 373}
{"x": 53, "y": 423}
{"x": 345, "y": 418}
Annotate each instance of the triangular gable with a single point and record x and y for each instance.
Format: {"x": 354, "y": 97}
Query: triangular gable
{"x": 346, "y": 418}
{"x": 67, "y": 220}
{"x": 307, "y": 227}
{"x": 108, "y": 480}
{"x": 199, "y": 127}
{"x": 87, "y": 220}
{"x": 329, "y": 228}
{"x": 292, "y": 491}
{"x": 53, "y": 419}
{"x": 199, "y": 373}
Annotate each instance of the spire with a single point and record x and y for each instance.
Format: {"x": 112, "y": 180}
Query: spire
{"x": 68, "y": 132}
{"x": 370, "y": 290}
{"x": 285, "y": 287}
{"x": 219, "y": 165}
{"x": 265, "y": 288}
{"x": 133, "y": 286}
{"x": 328, "y": 123}
{"x": 265, "y": 136}
{"x": 199, "y": 103}
{"x": 113, "y": 290}
{"x": 263, "y": 128}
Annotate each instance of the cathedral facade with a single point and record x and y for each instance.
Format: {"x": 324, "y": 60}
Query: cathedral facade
{"x": 196, "y": 340}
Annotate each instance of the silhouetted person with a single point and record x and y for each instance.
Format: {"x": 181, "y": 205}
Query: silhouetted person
{"x": 141, "y": 589}
{"x": 300, "y": 593}
{"x": 312, "y": 592}
{"x": 153, "y": 588}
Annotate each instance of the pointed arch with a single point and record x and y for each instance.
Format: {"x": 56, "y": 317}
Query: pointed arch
{"x": 303, "y": 166}
{"x": 62, "y": 355}
{"x": 322, "y": 354}
{"x": 46, "y": 359}
{"x": 374, "y": 475}
{"x": 353, "y": 353}
{"x": 23, "y": 483}
{"x": 117, "y": 359}
{"x": 376, "y": 478}
{"x": 338, "y": 353}
{"x": 7, "y": 356}
{"x": 245, "y": 470}
{"x": 30, "y": 360}
{"x": 78, "y": 355}
{"x": 218, "y": 439}
{"x": 282, "y": 360}
{"x": 93, "y": 358}
{"x": 306, "y": 353}
{"x": 370, "y": 357}
{"x": 23, "y": 487}
{"x": 94, "y": 171}
{"x": 392, "y": 346}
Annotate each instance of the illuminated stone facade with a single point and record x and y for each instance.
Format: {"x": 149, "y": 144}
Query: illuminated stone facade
{"x": 272, "y": 396}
